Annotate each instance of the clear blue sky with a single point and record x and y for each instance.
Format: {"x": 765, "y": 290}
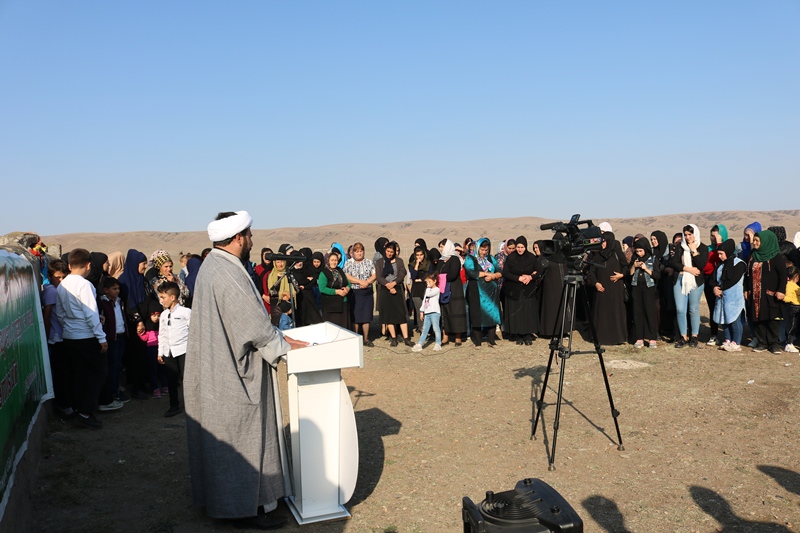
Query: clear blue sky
{"x": 145, "y": 115}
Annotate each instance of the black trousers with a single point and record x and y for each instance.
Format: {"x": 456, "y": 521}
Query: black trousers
{"x": 645, "y": 324}
{"x": 61, "y": 369}
{"x": 767, "y": 333}
{"x": 711, "y": 300}
{"x": 477, "y": 335}
{"x": 89, "y": 370}
{"x": 174, "y": 367}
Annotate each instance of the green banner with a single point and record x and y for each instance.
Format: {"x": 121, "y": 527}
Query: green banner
{"x": 23, "y": 375}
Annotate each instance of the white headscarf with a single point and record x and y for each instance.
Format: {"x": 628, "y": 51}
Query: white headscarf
{"x": 797, "y": 240}
{"x": 449, "y": 250}
{"x": 688, "y": 281}
{"x": 219, "y": 230}
{"x": 605, "y": 227}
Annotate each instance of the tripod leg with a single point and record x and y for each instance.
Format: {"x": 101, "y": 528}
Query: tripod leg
{"x": 599, "y": 349}
{"x": 569, "y": 296}
{"x": 554, "y": 347}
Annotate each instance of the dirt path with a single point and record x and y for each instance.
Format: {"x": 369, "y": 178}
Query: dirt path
{"x": 710, "y": 445}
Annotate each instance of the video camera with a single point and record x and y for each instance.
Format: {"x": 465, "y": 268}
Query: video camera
{"x": 570, "y": 242}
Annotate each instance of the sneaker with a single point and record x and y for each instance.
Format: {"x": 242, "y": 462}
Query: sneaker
{"x": 681, "y": 343}
{"x": 724, "y": 345}
{"x": 86, "y": 422}
{"x": 775, "y": 350}
{"x": 753, "y": 343}
{"x": 652, "y": 344}
{"x": 113, "y": 406}
{"x": 157, "y": 393}
{"x": 712, "y": 341}
{"x": 164, "y": 390}
{"x": 173, "y": 411}
{"x": 693, "y": 342}
{"x": 759, "y": 348}
{"x": 437, "y": 348}
{"x": 731, "y": 347}
{"x": 121, "y": 396}
{"x": 790, "y": 348}
{"x": 639, "y": 344}
{"x": 417, "y": 348}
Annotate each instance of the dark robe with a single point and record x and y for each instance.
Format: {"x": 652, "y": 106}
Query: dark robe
{"x": 608, "y": 313}
{"x": 521, "y": 312}
{"x": 550, "y": 298}
{"x": 454, "y": 313}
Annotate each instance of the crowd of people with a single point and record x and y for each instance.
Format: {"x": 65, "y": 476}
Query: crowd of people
{"x": 642, "y": 290}
{"x": 108, "y": 316}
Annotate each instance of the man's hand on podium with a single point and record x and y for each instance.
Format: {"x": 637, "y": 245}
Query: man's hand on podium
{"x": 294, "y": 343}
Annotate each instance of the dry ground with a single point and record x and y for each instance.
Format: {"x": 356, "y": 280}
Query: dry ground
{"x": 710, "y": 445}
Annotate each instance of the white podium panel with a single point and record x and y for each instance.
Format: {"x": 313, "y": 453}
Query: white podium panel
{"x": 322, "y": 422}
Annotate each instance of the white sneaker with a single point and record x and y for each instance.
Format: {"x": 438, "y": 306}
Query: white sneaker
{"x": 437, "y": 348}
{"x": 731, "y": 347}
{"x": 712, "y": 341}
{"x": 791, "y": 349}
{"x": 417, "y": 348}
{"x": 724, "y": 345}
{"x": 113, "y": 406}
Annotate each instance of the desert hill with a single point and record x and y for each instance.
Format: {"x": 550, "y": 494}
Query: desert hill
{"x": 497, "y": 229}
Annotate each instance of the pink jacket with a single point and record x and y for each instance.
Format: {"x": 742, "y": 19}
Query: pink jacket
{"x": 150, "y": 337}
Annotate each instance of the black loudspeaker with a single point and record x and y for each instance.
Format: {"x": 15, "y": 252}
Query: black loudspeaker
{"x": 532, "y": 507}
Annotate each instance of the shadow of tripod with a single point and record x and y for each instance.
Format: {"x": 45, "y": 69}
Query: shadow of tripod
{"x": 557, "y": 346}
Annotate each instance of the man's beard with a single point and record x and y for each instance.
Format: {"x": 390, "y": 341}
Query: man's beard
{"x": 245, "y": 257}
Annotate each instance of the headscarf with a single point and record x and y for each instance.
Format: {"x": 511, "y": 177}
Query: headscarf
{"x": 434, "y": 256}
{"x": 380, "y": 244}
{"x": 387, "y": 263}
{"x": 662, "y": 243}
{"x": 522, "y": 240}
{"x": 645, "y": 245}
{"x": 524, "y": 263}
{"x": 729, "y": 247}
{"x": 317, "y": 270}
{"x": 688, "y": 282}
{"x": 131, "y": 281}
{"x": 611, "y": 240}
{"x": 723, "y": 235}
{"x": 160, "y": 260}
{"x": 97, "y": 259}
{"x": 796, "y": 240}
{"x": 342, "y": 255}
{"x": 425, "y": 266}
{"x": 193, "y": 267}
{"x": 779, "y": 231}
{"x": 266, "y": 264}
{"x": 747, "y": 247}
{"x": 540, "y": 244}
{"x": 485, "y": 262}
{"x": 605, "y": 227}
{"x": 421, "y": 244}
{"x": 769, "y": 246}
{"x": 116, "y": 264}
{"x": 449, "y": 250}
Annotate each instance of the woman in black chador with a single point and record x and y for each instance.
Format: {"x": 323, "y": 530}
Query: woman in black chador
{"x": 552, "y": 268}
{"x": 520, "y": 272}
{"x": 606, "y": 275}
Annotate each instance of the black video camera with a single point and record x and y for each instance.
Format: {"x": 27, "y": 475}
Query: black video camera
{"x": 570, "y": 242}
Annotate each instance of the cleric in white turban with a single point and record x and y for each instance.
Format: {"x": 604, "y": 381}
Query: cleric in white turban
{"x": 233, "y": 419}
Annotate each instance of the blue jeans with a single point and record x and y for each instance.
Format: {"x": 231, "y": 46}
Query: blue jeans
{"x": 692, "y": 301}
{"x": 432, "y": 319}
{"x": 733, "y": 331}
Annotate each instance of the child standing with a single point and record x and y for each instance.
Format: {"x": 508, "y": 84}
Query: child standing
{"x": 84, "y": 339}
{"x": 155, "y": 374}
{"x": 644, "y": 272}
{"x": 59, "y": 364}
{"x": 430, "y": 312}
{"x": 113, "y": 318}
{"x": 173, "y": 336}
{"x": 792, "y": 300}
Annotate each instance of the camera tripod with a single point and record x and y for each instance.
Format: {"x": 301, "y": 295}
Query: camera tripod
{"x": 569, "y": 295}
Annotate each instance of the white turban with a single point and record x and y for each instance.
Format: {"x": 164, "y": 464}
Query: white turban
{"x": 605, "y": 227}
{"x": 219, "y": 230}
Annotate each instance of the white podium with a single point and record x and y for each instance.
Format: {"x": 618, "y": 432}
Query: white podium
{"x": 322, "y": 422}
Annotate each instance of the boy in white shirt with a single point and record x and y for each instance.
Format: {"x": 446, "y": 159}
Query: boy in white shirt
{"x": 173, "y": 335}
{"x": 84, "y": 339}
